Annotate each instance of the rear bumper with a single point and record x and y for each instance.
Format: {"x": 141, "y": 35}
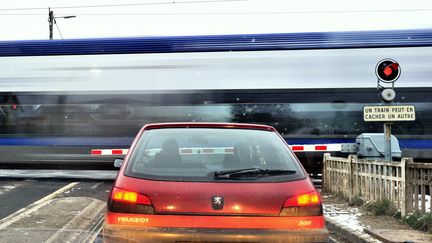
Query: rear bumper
{"x": 114, "y": 233}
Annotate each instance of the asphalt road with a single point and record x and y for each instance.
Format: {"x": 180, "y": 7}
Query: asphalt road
{"x": 46, "y": 210}
{"x": 17, "y": 194}
{"x": 52, "y": 210}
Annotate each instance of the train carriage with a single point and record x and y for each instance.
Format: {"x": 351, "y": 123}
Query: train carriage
{"x": 61, "y": 99}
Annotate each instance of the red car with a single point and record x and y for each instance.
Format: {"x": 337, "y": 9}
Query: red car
{"x": 212, "y": 182}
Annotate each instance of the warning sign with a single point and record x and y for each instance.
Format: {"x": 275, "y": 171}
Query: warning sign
{"x": 389, "y": 113}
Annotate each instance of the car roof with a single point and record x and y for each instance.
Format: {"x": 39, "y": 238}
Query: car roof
{"x": 208, "y": 125}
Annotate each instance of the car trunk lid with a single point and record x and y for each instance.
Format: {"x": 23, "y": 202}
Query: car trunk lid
{"x": 217, "y": 198}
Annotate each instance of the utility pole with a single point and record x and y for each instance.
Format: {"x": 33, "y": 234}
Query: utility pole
{"x": 51, "y": 21}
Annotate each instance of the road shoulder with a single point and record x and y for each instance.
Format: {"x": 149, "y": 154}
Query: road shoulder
{"x": 358, "y": 225}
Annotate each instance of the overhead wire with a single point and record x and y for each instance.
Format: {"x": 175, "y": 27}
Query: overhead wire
{"x": 240, "y": 13}
{"x": 101, "y": 6}
{"x": 119, "y": 5}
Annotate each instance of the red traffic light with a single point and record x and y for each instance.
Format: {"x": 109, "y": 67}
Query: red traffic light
{"x": 388, "y": 70}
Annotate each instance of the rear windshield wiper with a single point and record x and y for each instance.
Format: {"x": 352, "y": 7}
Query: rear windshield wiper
{"x": 250, "y": 172}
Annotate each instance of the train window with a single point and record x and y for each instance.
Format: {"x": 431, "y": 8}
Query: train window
{"x": 293, "y": 120}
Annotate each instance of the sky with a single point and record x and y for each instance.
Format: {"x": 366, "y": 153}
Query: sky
{"x": 27, "y": 19}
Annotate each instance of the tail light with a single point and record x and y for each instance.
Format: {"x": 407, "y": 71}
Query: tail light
{"x": 123, "y": 201}
{"x": 308, "y": 204}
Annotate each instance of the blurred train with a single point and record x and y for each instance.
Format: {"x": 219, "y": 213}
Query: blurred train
{"x": 62, "y": 98}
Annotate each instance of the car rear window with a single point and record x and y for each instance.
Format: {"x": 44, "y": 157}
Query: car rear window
{"x": 195, "y": 154}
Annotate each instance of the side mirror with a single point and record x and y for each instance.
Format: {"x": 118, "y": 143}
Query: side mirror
{"x": 118, "y": 163}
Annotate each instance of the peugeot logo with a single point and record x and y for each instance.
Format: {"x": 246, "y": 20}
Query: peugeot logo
{"x": 217, "y": 202}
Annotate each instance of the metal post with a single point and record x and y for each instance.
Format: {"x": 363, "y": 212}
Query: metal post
{"x": 387, "y": 137}
{"x": 51, "y": 23}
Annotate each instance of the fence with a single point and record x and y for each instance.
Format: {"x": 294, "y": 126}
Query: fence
{"x": 406, "y": 184}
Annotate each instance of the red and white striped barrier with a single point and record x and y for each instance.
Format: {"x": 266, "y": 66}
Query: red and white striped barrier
{"x": 316, "y": 148}
{"x": 227, "y": 150}
{"x": 109, "y": 151}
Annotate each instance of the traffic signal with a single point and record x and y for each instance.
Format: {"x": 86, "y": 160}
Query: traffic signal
{"x": 388, "y": 70}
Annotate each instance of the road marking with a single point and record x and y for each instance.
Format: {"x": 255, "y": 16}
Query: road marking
{"x": 92, "y": 211}
{"x": 33, "y": 207}
{"x": 334, "y": 240}
{"x": 96, "y": 185}
{"x": 97, "y": 229}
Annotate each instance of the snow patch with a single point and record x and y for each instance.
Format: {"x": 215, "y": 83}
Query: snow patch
{"x": 348, "y": 218}
{"x": 8, "y": 188}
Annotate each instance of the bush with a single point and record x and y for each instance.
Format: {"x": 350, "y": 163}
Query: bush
{"x": 397, "y": 215}
{"x": 356, "y": 201}
{"x": 419, "y": 221}
{"x": 381, "y": 207}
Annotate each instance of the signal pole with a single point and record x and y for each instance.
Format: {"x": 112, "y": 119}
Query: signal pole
{"x": 387, "y": 71}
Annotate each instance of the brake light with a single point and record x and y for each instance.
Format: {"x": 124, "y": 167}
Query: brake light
{"x": 308, "y": 204}
{"x": 303, "y": 200}
{"x": 125, "y": 196}
{"x": 123, "y": 201}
